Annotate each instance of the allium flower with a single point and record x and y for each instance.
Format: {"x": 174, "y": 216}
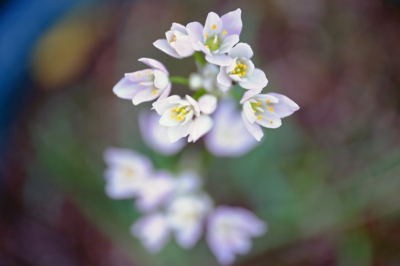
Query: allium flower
{"x": 186, "y": 215}
{"x": 126, "y": 173}
{"x": 177, "y": 44}
{"x": 230, "y": 230}
{"x": 145, "y": 85}
{"x": 152, "y": 230}
{"x": 229, "y": 136}
{"x": 217, "y": 37}
{"x": 183, "y": 118}
{"x": 155, "y": 135}
{"x": 241, "y": 69}
{"x": 207, "y": 78}
{"x": 265, "y": 110}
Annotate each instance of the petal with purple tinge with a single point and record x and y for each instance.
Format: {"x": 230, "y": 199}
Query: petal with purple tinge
{"x": 233, "y": 22}
{"x": 257, "y": 80}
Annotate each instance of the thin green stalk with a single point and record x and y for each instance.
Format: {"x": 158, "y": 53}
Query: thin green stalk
{"x": 179, "y": 80}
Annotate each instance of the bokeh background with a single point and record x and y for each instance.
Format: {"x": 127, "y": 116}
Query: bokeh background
{"x": 327, "y": 182}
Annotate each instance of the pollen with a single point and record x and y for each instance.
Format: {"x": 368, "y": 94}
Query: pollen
{"x": 268, "y": 101}
{"x": 239, "y": 74}
{"x": 138, "y": 74}
{"x": 214, "y": 26}
{"x": 254, "y": 111}
{"x": 206, "y": 35}
{"x": 244, "y": 67}
{"x": 233, "y": 72}
{"x": 244, "y": 73}
{"x": 148, "y": 73}
{"x": 271, "y": 121}
{"x": 154, "y": 92}
{"x": 140, "y": 83}
{"x": 259, "y": 117}
{"x": 207, "y": 46}
{"x": 258, "y": 103}
{"x": 172, "y": 116}
{"x": 224, "y": 32}
{"x": 271, "y": 109}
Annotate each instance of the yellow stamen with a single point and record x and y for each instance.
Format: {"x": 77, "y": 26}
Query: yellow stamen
{"x": 258, "y": 103}
{"x": 259, "y": 117}
{"x": 140, "y": 83}
{"x": 271, "y": 121}
{"x": 172, "y": 116}
{"x": 207, "y": 46}
{"x": 239, "y": 74}
{"x": 214, "y": 26}
{"x": 244, "y": 73}
{"x": 244, "y": 67}
{"x": 154, "y": 92}
{"x": 233, "y": 72}
{"x": 148, "y": 73}
{"x": 184, "y": 111}
{"x": 268, "y": 101}
{"x": 254, "y": 111}
{"x": 224, "y": 32}
{"x": 238, "y": 69}
{"x": 206, "y": 35}
{"x": 138, "y": 74}
{"x": 271, "y": 109}
{"x": 173, "y": 110}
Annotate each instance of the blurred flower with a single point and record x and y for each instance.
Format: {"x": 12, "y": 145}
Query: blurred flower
{"x": 230, "y": 230}
{"x": 177, "y": 44}
{"x": 208, "y": 104}
{"x": 152, "y": 230}
{"x": 145, "y": 85}
{"x": 266, "y": 110}
{"x": 126, "y": 173}
{"x": 182, "y": 117}
{"x": 186, "y": 215}
{"x": 241, "y": 69}
{"x": 229, "y": 136}
{"x": 217, "y": 37}
{"x": 207, "y": 78}
{"x": 155, "y": 135}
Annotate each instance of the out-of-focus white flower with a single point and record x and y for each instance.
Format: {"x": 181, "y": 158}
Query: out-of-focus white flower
{"x": 207, "y": 78}
{"x": 241, "y": 69}
{"x": 163, "y": 187}
{"x": 182, "y": 117}
{"x": 145, "y": 85}
{"x": 152, "y": 230}
{"x": 177, "y": 43}
{"x": 230, "y": 230}
{"x": 229, "y": 136}
{"x": 217, "y": 37}
{"x": 186, "y": 215}
{"x": 208, "y": 104}
{"x": 126, "y": 173}
{"x": 155, "y": 135}
{"x": 265, "y": 110}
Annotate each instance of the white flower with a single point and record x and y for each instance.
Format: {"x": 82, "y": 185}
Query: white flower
{"x": 217, "y": 37}
{"x": 186, "y": 215}
{"x": 155, "y": 135}
{"x": 126, "y": 173}
{"x": 241, "y": 69}
{"x": 163, "y": 187}
{"x": 229, "y": 136}
{"x": 182, "y": 117}
{"x": 177, "y": 44}
{"x": 152, "y": 230}
{"x": 145, "y": 85}
{"x": 207, "y": 78}
{"x": 230, "y": 230}
{"x": 208, "y": 104}
{"x": 265, "y": 110}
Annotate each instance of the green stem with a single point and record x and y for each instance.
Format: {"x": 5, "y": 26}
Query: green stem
{"x": 199, "y": 57}
{"x": 179, "y": 80}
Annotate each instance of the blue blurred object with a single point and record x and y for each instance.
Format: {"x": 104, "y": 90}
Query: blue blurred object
{"x": 21, "y": 24}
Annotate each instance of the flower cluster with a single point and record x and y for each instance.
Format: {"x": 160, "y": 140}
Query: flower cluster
{"x": 178, "y": 206}
{"x": 225, "y": 70}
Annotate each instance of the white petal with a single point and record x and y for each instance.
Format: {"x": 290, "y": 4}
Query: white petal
{"x": 167, "y": 120}
{"x": 184, "y": 47}
{"x": 177, "y": 132}
{"x": 213, "y": 25}
{"x": 249, "y": 112}
{"x": 140, "y": 76}
{"x": 253, "y": 128}
{"x": 257, "y": 80}
{"x": 285, "y": 107}
{"x": 164, "y": 46}
{"x": 208, "y": 104}
{"x": 145, "y": 95}
{"x": 126, "y": 89}
{"x": 195, "y": 32}
{"x": 202, "y": 125}
{"x": 248, "y": 94}
{"x": 165, "y": 93}
{"x": 228, "y": 43}
{"x": 161, "y": 80}
{"x": 270, "y": 120}
{"x": 219, "y": 59}
{"x": 154, "y": 64}
{"x": 195, "y": 81}
{"x": 223, "y": 77}
{"x": 241, "y": 50}
{"x": 195, "y": 105}
{"x": 188, "y": 237}
{"x": 161, "y": 105}
{"x": 232, "y": 22}
{"x": 178, "y": 27}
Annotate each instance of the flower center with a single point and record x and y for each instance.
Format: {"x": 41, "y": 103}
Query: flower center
{"x": 240, "y": 69}
{"x": 213, "y": 43}
{"x": 179, "y": 113}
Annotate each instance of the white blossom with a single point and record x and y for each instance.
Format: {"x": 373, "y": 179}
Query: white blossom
{"x": 177, "y": 43}
{"x": 206, "y": 78}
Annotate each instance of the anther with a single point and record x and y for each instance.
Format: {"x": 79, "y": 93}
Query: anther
{"x": 224, "y": 32}
{"x": 233, "y": 72}
{"x": 268, "y": 101}
{"x": 148, "y": 73}
{"x": 172, "y": 116}
{"x": 259, "y": 117}
{"x": 207, "y": 46}
{"x": 244, "y": 73}
{"x": 214, "y": 26}
{"x": 271, "y": 109}
{"x": 154, "y": 92}
{"x": 244, "y": 67}
{"x": 271, "y": 121}
{"x": 206, "y": 35}
{"x": 138, "y": 74}
{"x": 258, "y": 103}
